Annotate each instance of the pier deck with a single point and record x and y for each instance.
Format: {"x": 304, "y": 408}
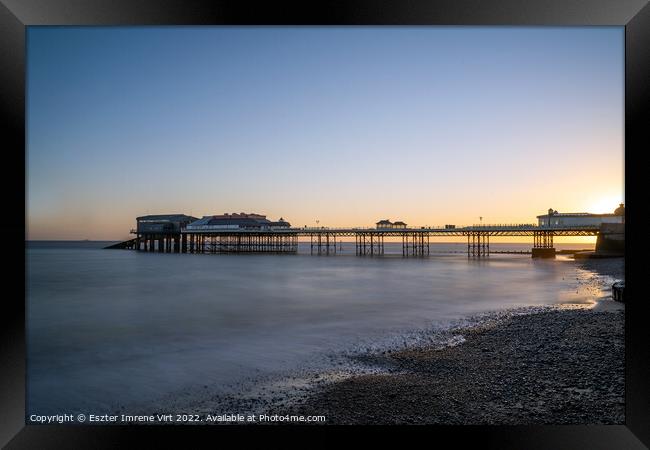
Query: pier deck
{"x": 368, "y": 241}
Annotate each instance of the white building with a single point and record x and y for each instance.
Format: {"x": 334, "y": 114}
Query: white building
{"x": 387, "y": 224}
{"x": 554, "y": 218}
{"x": 237, "y": 222}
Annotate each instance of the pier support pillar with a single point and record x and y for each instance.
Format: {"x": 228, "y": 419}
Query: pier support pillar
{"x": 322, "y": 242}
{"x": 548, "y": 252}
{"x": 478, "y": 244}
{"x": 543, "y": 245}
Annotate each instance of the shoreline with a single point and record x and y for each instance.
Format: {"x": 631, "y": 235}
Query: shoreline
{"x": 547, "y": 364}
{"x": 555, "y": 365}
{"x": 550, "y": 367}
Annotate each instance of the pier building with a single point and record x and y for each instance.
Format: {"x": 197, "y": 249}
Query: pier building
{"x": 157, "y": 232}
{"x": 554, "y": 218}
{"x": 163, "y": 223}
{"x": 386, "y": 224}
{"x": 238, "y": 233}
{"x": 237, "y": 221}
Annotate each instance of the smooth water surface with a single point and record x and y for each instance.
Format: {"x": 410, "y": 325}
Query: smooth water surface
{"x": 119, "y": 327}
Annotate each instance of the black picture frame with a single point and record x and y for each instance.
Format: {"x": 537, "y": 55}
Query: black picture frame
{"x": 16, "y": 15}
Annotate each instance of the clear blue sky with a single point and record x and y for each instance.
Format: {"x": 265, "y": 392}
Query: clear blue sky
{"x": 429, "y": 125}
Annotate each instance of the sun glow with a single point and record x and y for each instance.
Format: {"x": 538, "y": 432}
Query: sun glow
{"x": 604, "y": 205}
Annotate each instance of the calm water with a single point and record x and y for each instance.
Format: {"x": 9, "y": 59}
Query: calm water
{"x": 117, "y": 327}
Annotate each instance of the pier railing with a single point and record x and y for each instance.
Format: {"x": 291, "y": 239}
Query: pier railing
{"x": 368, "y": 240}
{"x": 502, "y": 225}
{"x": 528, "y": 227}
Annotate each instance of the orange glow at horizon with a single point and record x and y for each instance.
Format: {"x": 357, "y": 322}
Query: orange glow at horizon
{"x": 117, "y": 218}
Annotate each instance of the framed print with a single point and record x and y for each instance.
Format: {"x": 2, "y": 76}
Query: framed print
{"x": 417, "y": 216}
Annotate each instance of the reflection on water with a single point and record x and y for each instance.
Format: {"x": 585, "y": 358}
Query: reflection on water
{"x": 111, "y": 327}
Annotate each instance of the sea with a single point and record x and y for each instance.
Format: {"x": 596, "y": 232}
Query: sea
{"x": 109, "y": 330}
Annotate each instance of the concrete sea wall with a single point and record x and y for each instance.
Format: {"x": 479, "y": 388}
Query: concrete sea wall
{"x": 611, "y": 238}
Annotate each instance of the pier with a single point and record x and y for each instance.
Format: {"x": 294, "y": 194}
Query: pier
{"x": 368, "y": 241}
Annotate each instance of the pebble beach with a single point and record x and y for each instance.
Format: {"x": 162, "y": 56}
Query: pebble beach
{"x": 548, "y": 366}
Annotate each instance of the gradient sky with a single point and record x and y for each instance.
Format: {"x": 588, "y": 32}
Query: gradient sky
{"x": 430, "y": 125}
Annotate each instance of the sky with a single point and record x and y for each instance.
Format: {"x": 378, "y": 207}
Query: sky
{"x": 344, "y": 126}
